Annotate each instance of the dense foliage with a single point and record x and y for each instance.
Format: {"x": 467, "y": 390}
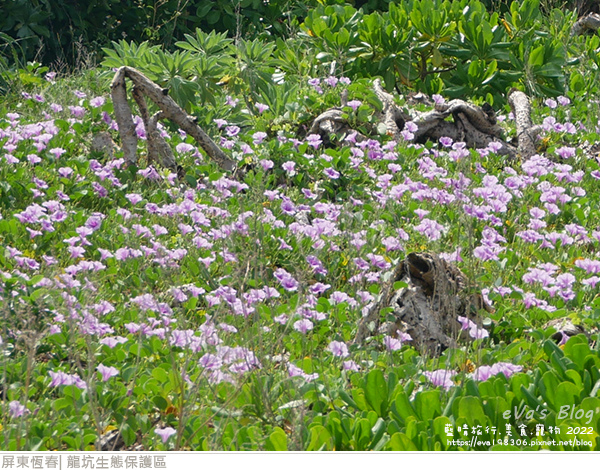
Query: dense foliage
{"x": 210, "y": 313}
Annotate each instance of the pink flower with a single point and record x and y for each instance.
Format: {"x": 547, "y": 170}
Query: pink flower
{"x": 354, "y": 104}
{"x": 57, "y": 152}
{"x": 430, "y": 228}
{"x": 61, "y": 378}
{"x": 446, "y": 141}
{"x": 289, "y": 167}
{"x": 107, "y": 372}
{"x": 261, "y": 107}
{"x": 441, "y": 377}
{"x": 331, "y": 173}
{"x": 483, "y": 373}
{"x": 112, "y": 341}
{"x": 314, "y": 140}
{"x": 259, "y": 137}
{"x": 16, "y": 409}
{"x": 287, "y": 281}
{"x": 97, "y": 102}
{"x": 266, "y": 164}
{"x": 474, "y": 331}
{"x": 134, "y": 198}
{"x": 303, "y": 326}
{"x": 338, "y": 349}
{"x": 77, "y": 111}
{"x": 392, "y": 344}
{"x": 295, "y": 371}
{"x": 438, "y": 99}
{"x": 165, "y": 433}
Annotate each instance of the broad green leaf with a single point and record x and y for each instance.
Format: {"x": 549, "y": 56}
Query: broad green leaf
{"x": 376, "y": 391}
{"x": 427, "y": 404}
{"x": 401, "y": 442}
{"x": 277, "y": 440}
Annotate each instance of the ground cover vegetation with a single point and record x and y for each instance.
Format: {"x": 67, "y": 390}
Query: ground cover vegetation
{"x": 209, "y": 310}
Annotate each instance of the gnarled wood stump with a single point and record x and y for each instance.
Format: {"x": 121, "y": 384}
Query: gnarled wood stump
{"x": 476, "y": 126}
{"x": 428, "y": 307}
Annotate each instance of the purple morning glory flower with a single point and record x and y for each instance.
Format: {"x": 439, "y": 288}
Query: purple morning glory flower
{"x": 295, "y": 371}
{"x": 259, "y": 137}
{"x": 474, "y": 331}
{"x": 338, "y": 349}
{"x": 16, "y": 409}
{"x": 354, "y": 104}
{"x": 303, "y": 326}
{"x": 211, "y": 362}
{"x": 165, "y": 433}
{"x": 483, "y": 373}
{"x": 314, "y": 140}
{"x": 351, "y": 365}
{"x": 62, "y": 378}
{"x": 566, "y": 152}
{"x": 57, "y": 152}
{"x": 331, "y": 81}
{"x": 392, "y": 344}
{"x": 430, "y": 228}
{"x": 441, "y": 377}
{"x": 289, "y": 167}
{"x": 232, "y": 131}
{"x": 331, "y": 173}
{"x": 97, "y": 101}
{"x": 107, "y": 372}
{"x": 261, "y": 107}
{"x": 286, "y": 280}
{"x": 231, "y": 102}
{"x": 446, "y": 141}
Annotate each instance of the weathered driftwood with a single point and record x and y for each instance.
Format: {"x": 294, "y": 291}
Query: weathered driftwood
{"x": 526, "y": 132}
{"x": 428, "y": 307}
{"x": 476, "y": 126}
{"x": 589, "y": 22}
{"x": 157, "y": 148}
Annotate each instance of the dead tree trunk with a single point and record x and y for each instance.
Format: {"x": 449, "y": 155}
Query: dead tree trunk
{"x": 526, "y": 131}
{"x": 476, "y": 126}
{"x": 158, "y": 149}
{"x": 427, "y": 307}
{"x": 589, "y": 22}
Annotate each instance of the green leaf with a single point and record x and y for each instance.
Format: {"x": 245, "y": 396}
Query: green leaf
{"x": 567, "y": 393}
{"x": 536, "y": 56}
{"x": 376, "y": 391}
{"x": 427, "y": 404}
{"x": 440, "y": 424}
{"x": 400, "y": 285}
{"x": 402, "y": 407}
{"x": 548, "y": 387}
{"x": 320, "y": 439}
{"x": 401, "y": 442}
{"x": 160, "y": 374}
{"x": 277, "y": 440}
{"x": 470, "y": 409}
